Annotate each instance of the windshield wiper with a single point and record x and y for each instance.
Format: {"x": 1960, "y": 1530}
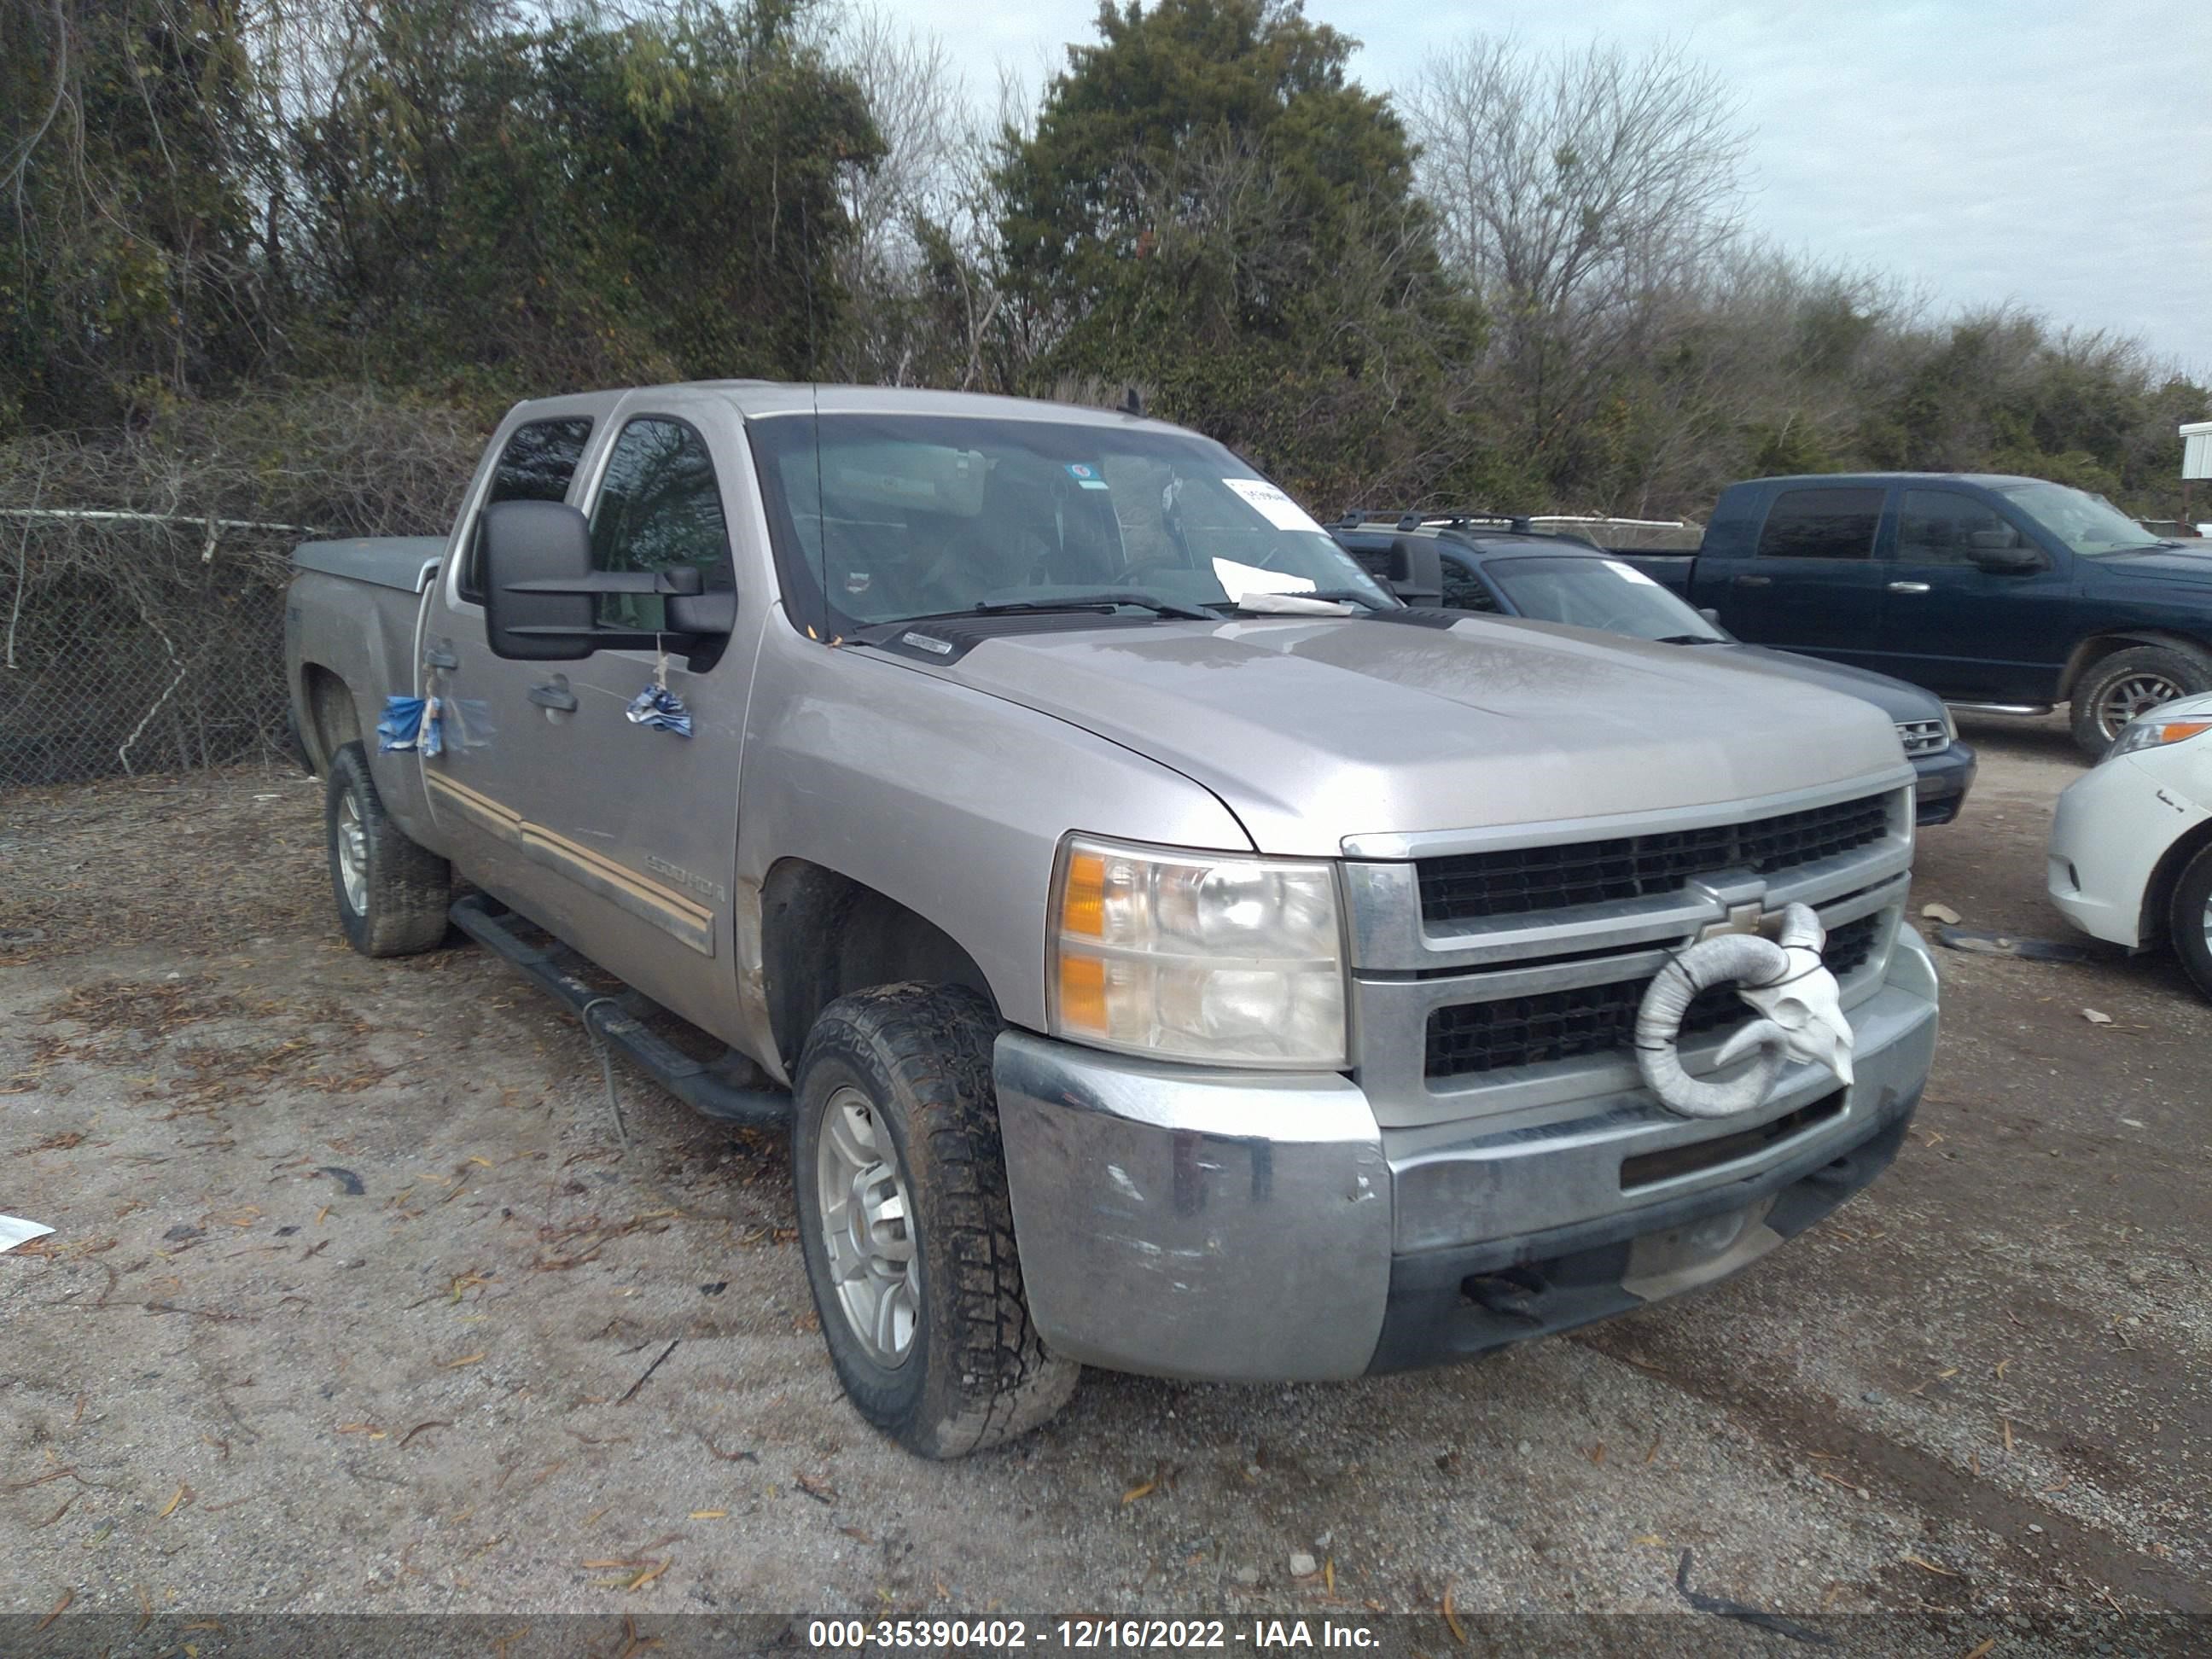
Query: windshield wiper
{"x": 1325, "y": 595}
{"x": 1689, "y": 639}
{"x": 1105, "y": 599}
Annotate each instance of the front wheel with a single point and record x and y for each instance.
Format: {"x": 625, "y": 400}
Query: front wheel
{"x": 2189, "y": 920}
{"x": 905, "y": 1225}
{"x": 390, "y": 892}
{"x": 2129, "y": 684}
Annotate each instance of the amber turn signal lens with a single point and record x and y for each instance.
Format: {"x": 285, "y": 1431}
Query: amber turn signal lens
{"x": 1083, "y": 899}
{"x": 1082, "y": 992}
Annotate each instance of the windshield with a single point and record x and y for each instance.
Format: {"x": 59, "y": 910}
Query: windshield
{"x": 899, "y": 516}
{"x": 2085, "y": 523}
{"x": 1607, "y": 594}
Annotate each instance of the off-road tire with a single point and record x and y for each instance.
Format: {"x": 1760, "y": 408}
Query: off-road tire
{"x": 2188, "y": 669}
{"x": 2186, "y": 923}
{"x": 405, "y": 887}
{"x": 977, "y": 1373}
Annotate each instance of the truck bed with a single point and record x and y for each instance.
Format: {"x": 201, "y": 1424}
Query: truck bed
{"x": 351, "y": 614}
{"x": 402, "y": 561}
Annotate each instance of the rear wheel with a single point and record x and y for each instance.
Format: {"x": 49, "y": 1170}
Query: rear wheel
{"x": 904, "y": 1223}
{"x": 2189, "y": 920}
{"x": 390, "y": 893}
{"x": 2130, "y": 683}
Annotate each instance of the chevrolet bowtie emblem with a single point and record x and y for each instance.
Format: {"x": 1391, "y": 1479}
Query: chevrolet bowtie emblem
{"x": 1742, "y": 919}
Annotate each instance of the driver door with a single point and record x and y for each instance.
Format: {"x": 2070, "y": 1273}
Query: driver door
{"x": 630, "y": 831}
{"x": 1958, "y": 630}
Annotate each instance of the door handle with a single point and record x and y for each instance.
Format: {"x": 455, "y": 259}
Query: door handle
{"x": 554, "y": 696}
{"x": 1908, "y": 587}
{"x": 1755, "y": 581}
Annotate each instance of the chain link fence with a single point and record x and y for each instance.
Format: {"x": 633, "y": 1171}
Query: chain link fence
{"x": 143, "y": 571}
{"x": 139, "y": 644}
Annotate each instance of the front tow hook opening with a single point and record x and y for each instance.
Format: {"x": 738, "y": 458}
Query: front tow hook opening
{"x": 1510, "y": 1294}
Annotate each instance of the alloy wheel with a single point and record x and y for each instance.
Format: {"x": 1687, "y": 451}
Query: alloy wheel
{"x": 867, "y": 1228}
{"x": 353, "y": 853}
{"x": 2131, "y": 698}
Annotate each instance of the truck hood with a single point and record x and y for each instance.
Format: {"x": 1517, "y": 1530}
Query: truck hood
{"x": 1314, "y": 730}
{"x": 1900, "y": 700}
{"x": 2171, "y": 564}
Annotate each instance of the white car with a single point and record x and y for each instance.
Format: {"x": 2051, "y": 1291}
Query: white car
{"x": 2130, "y": 852}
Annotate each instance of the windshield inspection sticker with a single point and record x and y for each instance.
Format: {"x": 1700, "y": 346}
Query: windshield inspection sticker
{"x": 1086, "y": 475}
{"x": 1631, "y": 571}
{"x": 1271, "y": 504}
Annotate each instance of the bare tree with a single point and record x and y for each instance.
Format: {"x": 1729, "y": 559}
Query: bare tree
{"x": 914, "y": 209}
{"x": 1579, "y": 194}
{"x": 920, "y": 104}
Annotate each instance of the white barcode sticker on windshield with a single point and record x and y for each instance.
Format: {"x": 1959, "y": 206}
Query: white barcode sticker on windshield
{"x": 1632, "y": 573}
{"x": 1271, "y": 504}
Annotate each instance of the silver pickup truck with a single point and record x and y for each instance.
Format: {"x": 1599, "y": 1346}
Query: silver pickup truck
{"x": 1169, "y": 952}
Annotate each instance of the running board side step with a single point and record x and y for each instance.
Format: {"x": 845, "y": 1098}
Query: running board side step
{"x": 700, "y": 1084}
{"x": 2030, "y": 709}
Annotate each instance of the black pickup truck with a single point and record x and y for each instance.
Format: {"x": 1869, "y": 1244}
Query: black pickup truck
{"x": 2013, "y": 594}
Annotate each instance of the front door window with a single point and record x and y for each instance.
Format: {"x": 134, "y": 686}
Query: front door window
{"x": 658, "y": 509}
{"x": 1940, "y": 526}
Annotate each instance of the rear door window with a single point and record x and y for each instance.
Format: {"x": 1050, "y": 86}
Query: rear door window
{"x": 1463, "y": 589}
{"x": 537, "y": 465}
{"x": 1821, "y": 523}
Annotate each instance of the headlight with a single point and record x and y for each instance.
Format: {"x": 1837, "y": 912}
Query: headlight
{"x": 2152, "y": 733}
{"x": 1950, "y": 725}
{"x": 1197, "y": 955}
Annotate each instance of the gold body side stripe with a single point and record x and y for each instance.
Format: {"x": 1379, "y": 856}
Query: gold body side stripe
{"x": 675, "y": 914}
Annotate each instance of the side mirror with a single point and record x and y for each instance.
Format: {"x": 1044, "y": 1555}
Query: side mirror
{"x": 2010, "y": 559}
{"x": 1416, "y": 570}
{"x": 540, "y": 592}
{"x": 526, "y": 546}
{"x": 1710, "y": 615}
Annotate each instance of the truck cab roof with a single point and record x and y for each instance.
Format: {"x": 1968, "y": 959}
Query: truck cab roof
{"x": 1870, "y": 480}
{"x": 758, "y": 399}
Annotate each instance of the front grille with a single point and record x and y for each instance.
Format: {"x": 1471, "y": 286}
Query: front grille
{"x": 1473, "y": 884}
{"x": 1923, "y": 737}
{"x": 1592, "y": 1019}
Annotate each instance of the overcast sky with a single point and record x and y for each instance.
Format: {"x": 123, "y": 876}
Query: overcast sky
{"x": 2054, "y": 153}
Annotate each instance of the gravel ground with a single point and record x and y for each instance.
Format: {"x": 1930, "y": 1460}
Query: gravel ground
{"x": 354, "y": 1306}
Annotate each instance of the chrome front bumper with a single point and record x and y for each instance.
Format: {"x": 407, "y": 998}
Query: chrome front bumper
{"x": 1240, "y": 1226}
